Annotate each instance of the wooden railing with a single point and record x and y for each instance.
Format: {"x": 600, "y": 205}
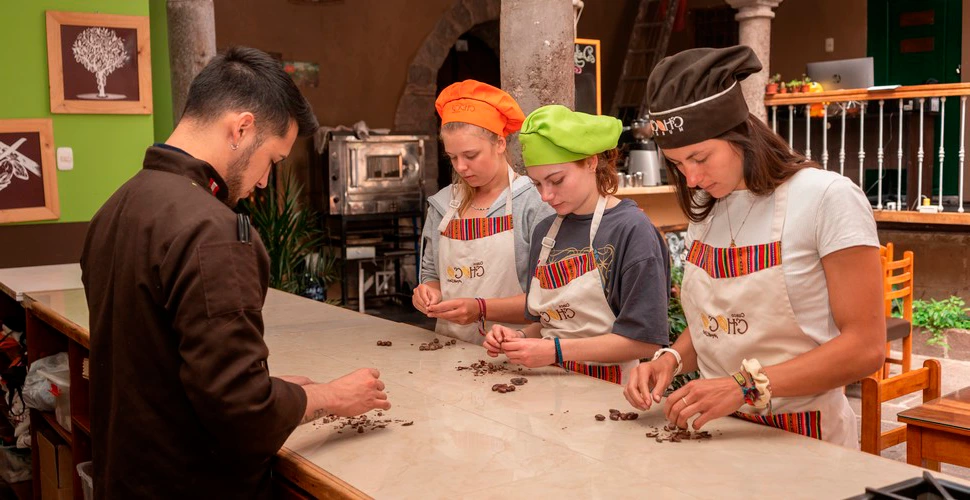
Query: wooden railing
{"x": 913, "y": 99}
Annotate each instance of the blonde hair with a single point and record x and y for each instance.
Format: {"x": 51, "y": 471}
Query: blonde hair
{"x": 460, "y": 186}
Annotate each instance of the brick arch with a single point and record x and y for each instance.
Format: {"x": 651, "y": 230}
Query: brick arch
{"x": 415, "y": 108}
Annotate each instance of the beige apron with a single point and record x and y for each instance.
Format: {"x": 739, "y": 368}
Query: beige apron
{"x": 476, "y": 258}
{"x": 737, "y": 306}
{"x": 569, "y": 299}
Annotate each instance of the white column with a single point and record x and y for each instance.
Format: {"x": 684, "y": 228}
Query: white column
{"x": 754, "y": 23}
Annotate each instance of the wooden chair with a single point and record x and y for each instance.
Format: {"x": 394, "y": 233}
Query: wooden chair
{"x": 875, "y": 392}
{"x": 898, "y": 284}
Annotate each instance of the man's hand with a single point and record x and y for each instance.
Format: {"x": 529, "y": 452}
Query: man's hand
{"x": 347, "y": 396}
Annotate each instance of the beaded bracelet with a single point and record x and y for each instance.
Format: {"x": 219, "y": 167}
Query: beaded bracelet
{"x": 749, "y": 393}
{"x": 559, "y": 359}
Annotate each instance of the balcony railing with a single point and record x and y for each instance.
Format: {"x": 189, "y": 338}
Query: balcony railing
{"x": 917, "y": 139}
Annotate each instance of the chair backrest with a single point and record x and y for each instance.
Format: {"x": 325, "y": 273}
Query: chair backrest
{"x": 898, "y": 282}
{"x": 875, "y": 392}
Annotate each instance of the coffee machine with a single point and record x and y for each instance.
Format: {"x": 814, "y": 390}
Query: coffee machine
{"x": 644, "y": 156}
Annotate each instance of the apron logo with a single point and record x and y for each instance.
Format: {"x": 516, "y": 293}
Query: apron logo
{"x": 668, "y": 126}
{"x": 560, "y": 313}
{"x": 733, "y": 325}
{"x": 457, "y": 274}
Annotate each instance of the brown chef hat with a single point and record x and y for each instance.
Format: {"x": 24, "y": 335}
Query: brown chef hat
{"x": 694, "y": 95}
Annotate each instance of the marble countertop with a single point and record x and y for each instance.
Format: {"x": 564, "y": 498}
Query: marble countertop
{"x": 16, "y": 281}
{"x": 541, "y": 440}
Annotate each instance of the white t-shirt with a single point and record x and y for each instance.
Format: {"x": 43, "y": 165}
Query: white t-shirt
{"x": 826, "y": 213}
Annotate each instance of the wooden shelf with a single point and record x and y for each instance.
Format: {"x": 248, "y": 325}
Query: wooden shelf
{"x": 632, "y": 191}
{"x": 81, "y": 423}
{"x": 905, "y": 92}
{"x": 60, "y": 430}
{"x": 910, "y": 217}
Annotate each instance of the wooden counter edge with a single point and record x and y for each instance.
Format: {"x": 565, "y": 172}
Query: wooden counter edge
{"x": 311, "y": 478}
{"x": 62, "y": 324}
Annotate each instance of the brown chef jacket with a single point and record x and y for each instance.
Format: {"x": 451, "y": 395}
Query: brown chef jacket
{"x": 182, "y": 404}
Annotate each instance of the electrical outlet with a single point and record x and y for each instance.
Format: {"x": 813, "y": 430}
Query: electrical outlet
{"x": 830, "y": 45}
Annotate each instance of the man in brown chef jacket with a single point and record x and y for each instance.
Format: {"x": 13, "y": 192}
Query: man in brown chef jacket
{"x": 182, "y": 403}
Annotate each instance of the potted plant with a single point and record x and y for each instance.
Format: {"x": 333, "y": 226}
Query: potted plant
{"x": 299, "y": 263}
{"x": 772, "y": 87}
{"x": 806, "y": 84}
{"x": 782, "y": 88}
{"x": 795, "y": 86}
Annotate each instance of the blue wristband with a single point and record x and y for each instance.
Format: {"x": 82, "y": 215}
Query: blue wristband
{"x": 559, "y": 359}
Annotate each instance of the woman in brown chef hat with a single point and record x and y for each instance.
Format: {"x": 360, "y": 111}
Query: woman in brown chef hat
{"x": 782, "y": 283}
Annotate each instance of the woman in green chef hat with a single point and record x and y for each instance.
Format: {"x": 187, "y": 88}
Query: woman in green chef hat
{"x": 600, "y": 272}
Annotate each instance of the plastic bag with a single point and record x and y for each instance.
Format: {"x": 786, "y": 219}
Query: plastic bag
{"x": 37, "y": 389}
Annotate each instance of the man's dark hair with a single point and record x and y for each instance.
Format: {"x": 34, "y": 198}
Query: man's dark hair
{"x": 246, "y": 79}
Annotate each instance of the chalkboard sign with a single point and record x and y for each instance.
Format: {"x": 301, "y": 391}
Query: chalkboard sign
{"x": 587, "y": 68}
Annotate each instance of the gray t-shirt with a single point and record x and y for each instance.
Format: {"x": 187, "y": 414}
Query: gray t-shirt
{"x": 633, "y": 262}
{"x": 527, "y": 210}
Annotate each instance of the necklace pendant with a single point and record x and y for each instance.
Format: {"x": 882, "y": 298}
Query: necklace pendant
{"x": 732, "y": 244}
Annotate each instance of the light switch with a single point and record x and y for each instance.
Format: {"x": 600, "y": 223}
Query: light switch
{"x": 830, "y": 45}
{"x": 65, "y": 159}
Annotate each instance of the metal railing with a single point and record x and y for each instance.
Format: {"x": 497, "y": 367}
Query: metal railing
{"x": 842, "y": 102}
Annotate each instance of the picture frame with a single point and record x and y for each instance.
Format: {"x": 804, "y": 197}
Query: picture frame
{"x": 588, "y": 67}
{"x": 99, "y": 63}
{"x": 28, "y": 174}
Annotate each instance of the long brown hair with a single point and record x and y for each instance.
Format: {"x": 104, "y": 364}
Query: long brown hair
{"x": 460, "y": 186}
{"x": 768, "y": 162}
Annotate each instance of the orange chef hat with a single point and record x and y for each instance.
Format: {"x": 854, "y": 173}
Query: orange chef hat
{"x": 480, "y": 104}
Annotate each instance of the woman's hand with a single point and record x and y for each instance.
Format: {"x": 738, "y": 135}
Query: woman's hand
{"x": 498, "y": 335}
{"x": 425, "y": 296}
{"x": 531, "y": 353}
{"x": 648, "y": 381}
{"x": 460, "y": 311}
{"x": 706, "y": 398}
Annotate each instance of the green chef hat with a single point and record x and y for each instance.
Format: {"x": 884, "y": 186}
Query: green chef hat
{"x": 556, "y": 134}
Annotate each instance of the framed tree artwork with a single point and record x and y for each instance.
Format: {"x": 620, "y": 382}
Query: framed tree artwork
{"x": 99, "y": 63}
{"x": 28, "y": 177}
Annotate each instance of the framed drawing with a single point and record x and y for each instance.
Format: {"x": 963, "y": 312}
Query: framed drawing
{"x": 99, "y": 63}
{"x": 28, "y": 177}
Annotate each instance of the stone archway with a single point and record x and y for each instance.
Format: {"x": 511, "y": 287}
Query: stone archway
{"x": 415, "y": 108}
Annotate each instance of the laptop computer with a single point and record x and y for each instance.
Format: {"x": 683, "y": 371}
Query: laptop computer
{"x": 842, "y": 74}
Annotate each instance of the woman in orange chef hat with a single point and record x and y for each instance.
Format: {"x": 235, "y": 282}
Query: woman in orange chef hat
{"x": 474, "y": 264}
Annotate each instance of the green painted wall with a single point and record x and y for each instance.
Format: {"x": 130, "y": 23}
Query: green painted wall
{"x": 161, "y": 76}
{"x": 108, "y": 149}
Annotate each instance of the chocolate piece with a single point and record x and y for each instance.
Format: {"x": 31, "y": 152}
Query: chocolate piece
{"x": 519, "y": 381}
{"x": 599, "y": 418}
{"x": 631, "y": 416}
{"x": 405, "y": 424}
{"x": 614, "y": 416}
{"x": 496, "y": 387}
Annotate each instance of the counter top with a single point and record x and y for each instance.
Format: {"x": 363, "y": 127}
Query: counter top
{"x": 16, "y": 281}
{"x": 538, "y": 441}
{"x": 65, "y": 310}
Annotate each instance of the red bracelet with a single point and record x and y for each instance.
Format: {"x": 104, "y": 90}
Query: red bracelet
{"x": 481, "y": 315}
